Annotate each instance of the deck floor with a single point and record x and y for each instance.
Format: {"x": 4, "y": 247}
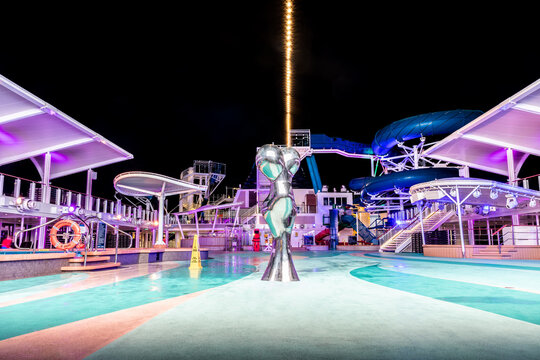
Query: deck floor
{"x": 347, "y": 305}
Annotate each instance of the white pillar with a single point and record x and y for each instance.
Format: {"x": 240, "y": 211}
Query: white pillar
{"x": 45, "y": 179}
{"x": 421, "y": 210}
{"x": 512, "y": 176}
{"x": 161, "y": 210}
{"x": 137, "y": 236}
{"x": 490, "y": 240}
{"x": 458, "y": 205}
{"x": 470, "y": 229}
{"x": 90, "y": 175}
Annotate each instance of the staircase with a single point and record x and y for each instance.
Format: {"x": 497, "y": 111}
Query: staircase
{"x": 492, "y": 252}
{"x": 402, "y": 238}
{"x": 93, "y": 262}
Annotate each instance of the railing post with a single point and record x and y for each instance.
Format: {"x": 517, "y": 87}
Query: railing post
{"x": 537, "y": 220}
{"x": 17, "y": 188}
{"x": 513, "y": 238}
{"x": 32, "y": 191}
{"x": 58, "y": 196}
{"x": 1, "y": 184}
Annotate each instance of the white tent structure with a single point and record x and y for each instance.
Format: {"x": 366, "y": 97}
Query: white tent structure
{"x": 57, "y": 144}
{"x": 498, "y": 141}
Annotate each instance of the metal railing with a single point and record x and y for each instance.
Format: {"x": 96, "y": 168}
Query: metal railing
{"x": 400, "y": 228}
{"x": 527, "y": 181}
{"x": 37, "y": 191}
{"x": 514, "y": 237}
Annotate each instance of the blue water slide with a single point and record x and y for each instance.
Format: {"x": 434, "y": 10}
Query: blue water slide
{"x": 367, "y": 186}
{"x": 363, "y": 231}
{"x": 321, "y": 141}
{"x": 430, "y": 124}
{"x": 314, "y": 173}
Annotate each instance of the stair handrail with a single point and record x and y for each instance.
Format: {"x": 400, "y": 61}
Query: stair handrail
{"x": 30, "y": 229}
{"x": 406, "y": 243}
{"x": 496, "y": 232}
{"x": 414, "y": 221}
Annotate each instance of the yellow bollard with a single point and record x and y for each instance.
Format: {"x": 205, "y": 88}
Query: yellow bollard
{"x": 195, "y": 255}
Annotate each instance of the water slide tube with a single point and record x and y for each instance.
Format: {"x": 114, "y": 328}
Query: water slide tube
{"x": 363, "y": 231}
{"x": 430, "y": 124}
{"x": 349, "y": 221}
{"x": 368, "y": 186}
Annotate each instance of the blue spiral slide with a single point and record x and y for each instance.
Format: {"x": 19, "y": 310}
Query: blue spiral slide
{"x": 431, "y": 124}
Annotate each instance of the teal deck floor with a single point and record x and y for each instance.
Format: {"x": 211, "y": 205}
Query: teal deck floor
{"x": 353, "y": 308}
{"x": 62, "y": 309}
{"x": 344, "y": 306}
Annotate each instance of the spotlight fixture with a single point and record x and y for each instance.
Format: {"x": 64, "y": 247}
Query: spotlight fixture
{"x": 25, "y": 204}
{"x": 511, "y": 201}
{"x": 493, "y": 194}
{"x": 476, "y": 194}
{"x": 453, "y": 192}
{"x": 485, "y": 210}
{"x": 532, "y": 203}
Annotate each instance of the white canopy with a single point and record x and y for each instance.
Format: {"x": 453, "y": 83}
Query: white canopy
{"x": 483, "y": 143}
{"x": 140, "y": 183}
{"x": 211, "y": 207}
{"x": 31, "y": 128}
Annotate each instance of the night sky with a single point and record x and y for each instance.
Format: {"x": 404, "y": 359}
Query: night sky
{"x": 204, "y": 80}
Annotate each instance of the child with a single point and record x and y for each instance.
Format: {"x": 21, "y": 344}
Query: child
{"x": 6, "y": 243}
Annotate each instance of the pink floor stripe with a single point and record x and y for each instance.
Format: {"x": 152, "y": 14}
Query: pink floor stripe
{"x": 80, "y": 339}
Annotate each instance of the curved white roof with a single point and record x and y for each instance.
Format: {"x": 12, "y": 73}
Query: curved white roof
{"x": 438, "y": 190}
{"x": 30, "y": 127}
{"x": 140, "y": 183}
{"x": 482, "y": 144}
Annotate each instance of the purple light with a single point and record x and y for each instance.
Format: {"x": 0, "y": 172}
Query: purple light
{"x": 7, "y": 138}
{"x": 498, "y": 156}
{"x": 57, "y": 157}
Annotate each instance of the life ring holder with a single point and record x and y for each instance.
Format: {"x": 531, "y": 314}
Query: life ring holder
{"x": 75, "y": 241}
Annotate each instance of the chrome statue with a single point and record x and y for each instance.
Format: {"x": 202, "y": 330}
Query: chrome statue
{"x": 279, "y": 209}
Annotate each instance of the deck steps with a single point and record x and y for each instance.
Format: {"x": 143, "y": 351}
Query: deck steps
{"x": 78, "y": 260}
{"x": 493, "y": 253}
{"x": 93, "y": 262}
{"x": 107, "y": 265}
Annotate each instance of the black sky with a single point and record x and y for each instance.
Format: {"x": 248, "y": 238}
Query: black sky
{"x": 203, "y": 80}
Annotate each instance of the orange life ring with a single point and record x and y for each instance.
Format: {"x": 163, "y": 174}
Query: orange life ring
{"x": 76, "y": 237}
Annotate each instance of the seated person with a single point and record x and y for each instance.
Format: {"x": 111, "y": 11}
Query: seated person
{"x": 6, "y": 243}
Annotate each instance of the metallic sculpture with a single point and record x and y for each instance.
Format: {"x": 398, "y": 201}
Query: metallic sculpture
{"x": 279, "y": 209}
